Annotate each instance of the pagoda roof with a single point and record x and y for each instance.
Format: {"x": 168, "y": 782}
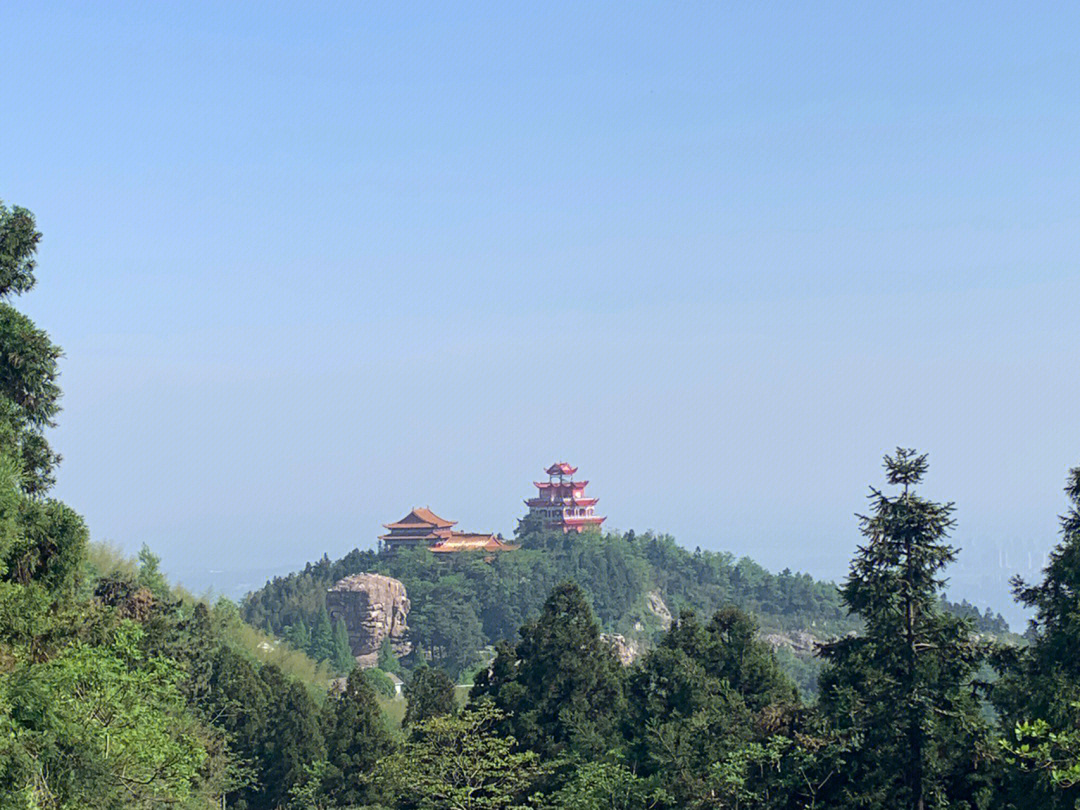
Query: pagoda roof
{"x": 469, "y": 541}
{"x": 420, "y": 517}
{"x": 554, "y": 484}
{"x": 562, "y": 468}
{"x": 564, "y": 502}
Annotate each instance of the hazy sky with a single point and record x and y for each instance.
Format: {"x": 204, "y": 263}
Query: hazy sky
{"x": 314, "y": 265}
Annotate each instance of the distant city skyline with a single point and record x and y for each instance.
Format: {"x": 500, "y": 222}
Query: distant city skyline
{"x": 313, "y": 267}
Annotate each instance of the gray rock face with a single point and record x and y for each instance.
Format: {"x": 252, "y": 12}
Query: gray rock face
{"x": 627, "y": 651}
{"x": 798, "y": 641}
{"x": 655, "y": 603}
{"x": 374, "y": 607}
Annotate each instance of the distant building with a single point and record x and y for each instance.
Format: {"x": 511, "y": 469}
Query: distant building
{"x": 422, "y": 527}
{"x": 561, "y": 502}
{"x": 467, "y": 541}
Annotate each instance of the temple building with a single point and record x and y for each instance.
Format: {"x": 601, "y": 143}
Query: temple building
{"x": 469, "y": 541}
{"x": 422, "y": 527}
{"x": 561, "y": 502}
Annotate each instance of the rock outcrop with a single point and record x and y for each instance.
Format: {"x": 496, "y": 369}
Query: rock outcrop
{"x": 655, "y": 603}
{"x": 374, "y": 607}
{"x": 627, "y": 651}
{"x": 798, "y": 641}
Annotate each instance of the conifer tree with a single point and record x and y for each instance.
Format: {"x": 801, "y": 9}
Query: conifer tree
{"x": 298, "y": 636}
{"x": 387, "y": 661}
{"x": 321, "y": 646}
{"x": 698, "y": 697}
{"x": 293, "y": 738}
{"x": 428, "y": 693}
{"x": 341, "y": 659}
{"x": 1040, "y": 685}
{"x": 903, "y": 688}
{"x": 561, "y": 686}
{"x": 356, "y": 738}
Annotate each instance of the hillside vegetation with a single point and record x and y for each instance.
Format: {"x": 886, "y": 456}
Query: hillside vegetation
{"x": 466, "y": 602}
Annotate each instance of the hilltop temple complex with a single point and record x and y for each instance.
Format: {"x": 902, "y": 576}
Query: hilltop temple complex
{"x": 561, "y": 502}
{"x": 422, "y": 527}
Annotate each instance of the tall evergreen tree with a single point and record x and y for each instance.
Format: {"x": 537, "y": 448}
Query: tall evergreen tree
{"x": 356, "y": 738}
{"x": 701, "y": 695}
{"x": 321, "y": 646}
{"x": 561, "y": 686}
{"x": 341, "y": 657}
{"x": 428, "y": 693}
{"x": 903, "y": 688}
{"x": 387, "y": 661}
{"x": 1041, "y": 684}
{"x": 293, "y": 739}
{"x": 298, "y": 636}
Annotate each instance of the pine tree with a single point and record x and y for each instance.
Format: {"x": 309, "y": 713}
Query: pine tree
{"x": 387, "y": 661}
{"x": 321, "y": 646}
{"x": 562, "y": 688}
{"x": 341, "y": 658}
{"x": 356, "y": 738}
{"x": 903, "y": 688}
{"x": 297, "y": 636}
{"x": 150, "y": 576}
{"x": 1040, "y": 685}
{"x": 698, "y": 697}
{"x": 293, "y": 737}
{"x": 429, "y": 693}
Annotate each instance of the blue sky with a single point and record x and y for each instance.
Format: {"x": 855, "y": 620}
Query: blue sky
{"x": 313, "y": 265}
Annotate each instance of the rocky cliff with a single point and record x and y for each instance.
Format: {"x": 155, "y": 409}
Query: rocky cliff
{"x": 374, "y": 607}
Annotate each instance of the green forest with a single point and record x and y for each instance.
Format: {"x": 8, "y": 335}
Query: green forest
{"x": 464, "y": 604}
{"x": 118, "y": 690}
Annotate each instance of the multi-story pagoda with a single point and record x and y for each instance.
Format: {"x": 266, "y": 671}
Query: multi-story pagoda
{"x": 561, "y": 502}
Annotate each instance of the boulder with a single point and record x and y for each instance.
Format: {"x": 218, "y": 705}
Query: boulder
{"x": 374, "y": 607}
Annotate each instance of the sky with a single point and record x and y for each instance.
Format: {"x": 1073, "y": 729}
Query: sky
{"x": 313, "y": 265}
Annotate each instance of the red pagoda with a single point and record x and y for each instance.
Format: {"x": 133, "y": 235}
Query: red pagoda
{"x": 561, "y": 502}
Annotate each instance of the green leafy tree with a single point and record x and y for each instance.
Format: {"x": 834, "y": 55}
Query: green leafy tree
{"x": 98, "y": 726}
{"x": 341, "y": 659}
{"x": 601, "y": 785}
{"x": 429, "y": 692}
{"x": 903, "y": 688}
{"x": 380, "y": 682}
{"x": 150, "y": 576}
{"x": 460, "y": 762}
{"x": 561, "y": 686}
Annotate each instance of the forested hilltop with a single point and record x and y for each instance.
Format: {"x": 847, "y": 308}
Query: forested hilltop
{"x": 634, "y": 584}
